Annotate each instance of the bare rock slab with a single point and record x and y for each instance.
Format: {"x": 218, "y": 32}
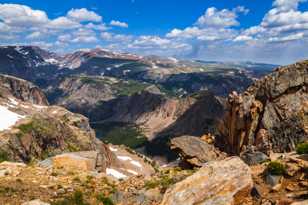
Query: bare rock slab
{"x": 222, "y": 182}
{"x": 74, "y": 162}
{"x": 194, "y": 150}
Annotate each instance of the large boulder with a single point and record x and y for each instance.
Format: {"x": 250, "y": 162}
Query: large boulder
{"x": 223, "y": 182}
{"x": 84, "y": 161}
{"x": 194, "y": 150}
{"x": 271, "y": 115}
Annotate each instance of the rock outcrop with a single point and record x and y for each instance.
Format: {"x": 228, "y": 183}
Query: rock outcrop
{"x": 32, "y": 130}
{"x": 271, "y": 115}
{"x": 225, "y": 182}
{"x": 22, "y": 90}
{"x": 194, "y": 150}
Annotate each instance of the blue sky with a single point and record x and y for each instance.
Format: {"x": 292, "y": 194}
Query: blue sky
{"x": 272, "y": 31}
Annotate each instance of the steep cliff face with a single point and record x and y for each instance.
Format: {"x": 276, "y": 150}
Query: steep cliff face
{"x": 271, "y": 115}
{"x": 22, "y": 90}
{"x": 159, "y": 115}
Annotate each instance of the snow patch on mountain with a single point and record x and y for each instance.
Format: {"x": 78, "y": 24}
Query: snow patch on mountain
{"x": 8, "y": 118}
{"x": 115, "y": 173}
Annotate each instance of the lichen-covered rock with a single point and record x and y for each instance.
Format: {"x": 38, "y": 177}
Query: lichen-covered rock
{"x": 226, "y": 182}
{"x": 194, "y": 150}
{"x": 271, "y": 115}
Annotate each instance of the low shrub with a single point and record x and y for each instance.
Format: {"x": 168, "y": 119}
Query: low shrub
{"x": 276, "y": 168}
{"x": 105, "y": 200}
{"x": 3, "y": 156}
{"x": 302, "y": 148}
{"x": 76, "y": 199}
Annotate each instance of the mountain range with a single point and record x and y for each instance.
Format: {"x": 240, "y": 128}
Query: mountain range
{"x": 100, "y": 127}
{"x": 121, "y": 92}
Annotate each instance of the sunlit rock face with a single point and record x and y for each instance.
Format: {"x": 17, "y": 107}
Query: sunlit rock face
{"x": 271, "y": 115}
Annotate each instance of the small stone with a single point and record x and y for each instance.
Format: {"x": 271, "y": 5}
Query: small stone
{"x": 291, "y": 187}
{"x": 61, "y": 191}
{"x": 284, "y": 201}
{"x": 266, "y": 202}
{"x": 276, "y": 188}
{"x": 298, "y": 194}
{"x": 44, "y": 186}
{"x": 254, "y": 158}
{"x": 273, "y": 180}
{"x": 292, "y": 169}
{"x": 303, "y": 183}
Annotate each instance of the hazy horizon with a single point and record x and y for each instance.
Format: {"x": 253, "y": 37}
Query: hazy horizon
{"x": 274, "y": 32}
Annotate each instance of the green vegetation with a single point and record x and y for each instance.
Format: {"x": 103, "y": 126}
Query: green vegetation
{"x": 38, "y": 125}
{"x": 105, "y": 200}
{"x": 163, "y": 183}
{"x": 111, "y": 186}
{"x": 3, "y": 156}
{"x": 89, "y": 80}
{"x": 276, "y": 168}
{"x": 120, "y": 133}
{"x": 7, "y": 191}
{"x": 302, "y": 148}
{"x": 76, "y": 199}
{"x": 169, "y": 91}
{"x": 121, "y": 87}
{"x": 127, "y": 88}
{"x": 44, "y": 128}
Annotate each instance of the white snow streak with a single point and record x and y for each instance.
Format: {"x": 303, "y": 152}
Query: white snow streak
{"x": 8, "y": 118}
{"x": 115, "y": 173}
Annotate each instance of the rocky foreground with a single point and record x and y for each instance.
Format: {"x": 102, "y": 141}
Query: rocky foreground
{"x": 51, "y": 156}
{"x": 228, "y": 181}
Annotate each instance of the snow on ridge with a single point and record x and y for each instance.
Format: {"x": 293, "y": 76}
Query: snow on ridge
{"x": 132, "y": 172}
{"x": 113, "y": 149}
{"x": 136, "y": 163}
{"x": 115, "y": 173}
{"x": 173, "y": 59}
{"x": 20, "y": 50}
{"x": 8, "y": 118}
{"x": 51, "y": 61}
{"x": 39, "y": 106}
{"x": 133, "y": 162}
{"x": 124, "y": 158}
{"x": 13, "y": 101}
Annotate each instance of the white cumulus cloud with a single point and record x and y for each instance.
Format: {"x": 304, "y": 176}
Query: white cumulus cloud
{"x": 119, "y": 24}
{"x": 84, "y": 14}
{"x": 23, "y": 16}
